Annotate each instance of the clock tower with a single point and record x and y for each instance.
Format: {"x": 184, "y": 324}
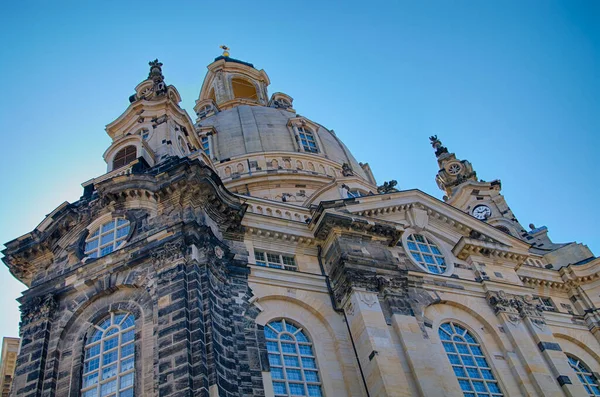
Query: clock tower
{"x": 481, "y": 199}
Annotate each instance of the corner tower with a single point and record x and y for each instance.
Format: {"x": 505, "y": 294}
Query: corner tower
{"x": 481, "y": 199}
{"x": 153, "y": 128}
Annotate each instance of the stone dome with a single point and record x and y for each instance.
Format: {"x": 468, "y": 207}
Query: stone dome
{"x": 247, "y": 129}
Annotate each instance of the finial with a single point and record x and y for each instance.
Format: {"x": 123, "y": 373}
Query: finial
{"x": 437, "y": 145}
{"x": 225, "y": 50}
{"x": 155, "y": 69}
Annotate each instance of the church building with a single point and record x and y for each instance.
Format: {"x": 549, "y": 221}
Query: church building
{"x": 246, "y": 252}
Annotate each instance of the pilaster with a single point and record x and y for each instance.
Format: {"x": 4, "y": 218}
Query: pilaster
{"x": 545, "y": 362}
{"x": 377, "y": 354}
{"x": 36, "y": 317}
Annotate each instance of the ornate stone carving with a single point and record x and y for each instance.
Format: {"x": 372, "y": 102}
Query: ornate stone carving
{"x": 368, "y": 298}
{"x": 437, "y": 145}
{"x": 38, "y": 308}
{"x": 346, "y": 170}
{"x": 516, "y": 306}
{"x": 388, "y": 187}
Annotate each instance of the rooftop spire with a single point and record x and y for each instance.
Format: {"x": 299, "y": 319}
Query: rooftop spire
{"x": 452, "y": 172}
{"x": 225, "y": 50}
{"x": 437, "y": 145}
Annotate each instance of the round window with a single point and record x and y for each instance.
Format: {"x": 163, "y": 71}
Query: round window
{"x": 426, "y": 253}
{"x": 107, "y": 238}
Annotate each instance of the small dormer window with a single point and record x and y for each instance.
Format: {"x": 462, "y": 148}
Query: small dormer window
{"x": 307, "y": 140}
{"x": 205, "y": 111}
{"x": 124, "y": 156}
{"x": 205, "y": 145}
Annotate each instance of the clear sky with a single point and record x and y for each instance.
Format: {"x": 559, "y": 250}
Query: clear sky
{"x": 512, "y": 86}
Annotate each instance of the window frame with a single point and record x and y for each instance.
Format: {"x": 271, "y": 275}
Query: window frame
{"x": 124, "y": 157}
{"x": 306, "y": 358}
{"x": 106, "y": 335}
{"x": 303, "y": 133}
{"x": 463, "y": 375}
{"x": 96, "y": 232}
{"x": 449, "y": 263}
{"x": 577, "y": 368}
{"x": 268, "y": 256}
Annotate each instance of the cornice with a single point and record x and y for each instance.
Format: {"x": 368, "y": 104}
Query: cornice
{"x": 466, "y": 247}
{"x": 331, "y": 220}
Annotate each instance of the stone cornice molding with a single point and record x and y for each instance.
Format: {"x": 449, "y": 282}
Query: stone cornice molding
{"x": 565, "y": 278}
{"x": 288, "y": 236}
{"x": 466, "y": 247}
{"x": 330, "y": 221}
{"x": 463, "y": 223}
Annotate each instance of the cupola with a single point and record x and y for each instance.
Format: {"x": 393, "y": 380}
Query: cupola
{"x": 231, "y": 82}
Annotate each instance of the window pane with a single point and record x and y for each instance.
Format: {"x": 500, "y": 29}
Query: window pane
{"x": 103, "y": 373}
{"x": 277, "y": 373}
{"x": 289, "y": 370}
{"x": 90, "y": 380}
{"x": 470, "y": 363}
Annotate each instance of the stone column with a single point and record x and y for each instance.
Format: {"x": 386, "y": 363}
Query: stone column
{"x": 36, "y": 317}
{"x": 538, "y": 351}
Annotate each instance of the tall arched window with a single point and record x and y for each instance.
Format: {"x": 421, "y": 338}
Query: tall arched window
{"x": 109, "y": 362}
{"x": 292, "y": 360}
{"x": 307, "y": 140}
{"x": 124, "y": 156}
{"x": 584, "y": 374}
{"x": 468, "y": 362}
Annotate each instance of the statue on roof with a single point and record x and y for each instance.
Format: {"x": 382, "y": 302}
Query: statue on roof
{"x": 388, "y": 187}
{"x": 160, "y": 88}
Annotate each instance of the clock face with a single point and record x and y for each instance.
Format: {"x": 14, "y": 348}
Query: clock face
{"x": 482, "y": 212}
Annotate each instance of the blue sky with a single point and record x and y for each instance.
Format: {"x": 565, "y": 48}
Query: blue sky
{"x": 512, "y": 86}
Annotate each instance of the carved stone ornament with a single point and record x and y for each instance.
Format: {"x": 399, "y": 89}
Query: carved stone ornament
{"x": 388, "y": 187}
{"x": 346, "y": 170}
{"x": 219, "y": 252}
{"x": 38, "y": 309}
{"x": 523, "y": 306}
{"x": 368, "y": 298}
{"x": 169, "y": 252}
{"x": 437, "y": 145}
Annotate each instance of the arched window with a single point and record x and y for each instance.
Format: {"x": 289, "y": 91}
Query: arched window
{"x": 292, "y": 360}
{"x": 109, "y": 361}
{"x": 307, "y": 140}
{"x": 107, "y": 238}
{"x": 584, "y": 374}
{"x": 124, "y": 156}
{"x": 426, "y": 253}
{"x": 243, "y": 89}
{"x": 468, "y": 362}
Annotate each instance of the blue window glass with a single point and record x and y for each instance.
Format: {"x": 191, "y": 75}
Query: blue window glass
{"x": 104, "y": 373}
{"x": 469, "y": 366}
{"x": 293, "y": 365}
{"x": 585, "y": 375}
{"x": 426, "y": 253}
